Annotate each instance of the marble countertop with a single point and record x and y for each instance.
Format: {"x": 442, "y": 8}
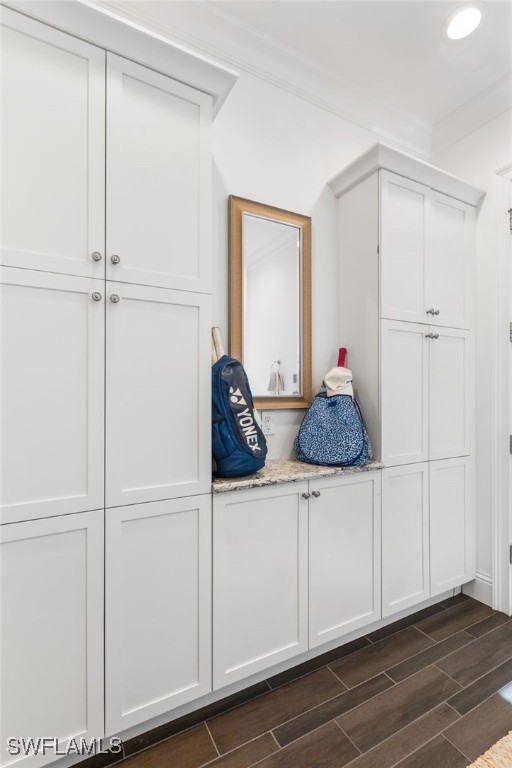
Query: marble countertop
{"x": 286, "y": 471}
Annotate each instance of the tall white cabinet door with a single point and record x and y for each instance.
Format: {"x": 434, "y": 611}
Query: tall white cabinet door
{"x": 344, "y": 556}
{"x": 452, "y": 525}
{"x": 403, "y": 215}
{"x": 449, "y": 262}
{"x": 157, "y": 394}
{"x": 450, "y": 393}
{"x": 53, "y": 149}
{"x": 51, "y": 629}
{"x": 260, "y": 600}
{"x": 158, "y": 179}
{"x": 404, "y": 392}
{"x": 405, "y": 537}
{"x": 52, "y": 362}
{"x": 158, "y": 608}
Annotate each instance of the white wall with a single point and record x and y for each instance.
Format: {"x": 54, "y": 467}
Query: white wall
{"x": 278, "y": 149}
{"x": 476, "y": 158}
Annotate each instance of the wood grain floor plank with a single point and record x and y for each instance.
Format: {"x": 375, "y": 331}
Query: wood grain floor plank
{"x": 483, "y": 726}
{"x": 326, "y": 747}
{"x": 452, "y": 620}
{"x": 487, "y": 652}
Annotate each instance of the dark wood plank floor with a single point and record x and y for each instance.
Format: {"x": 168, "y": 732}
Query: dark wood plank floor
{"x": 433, "y": 690}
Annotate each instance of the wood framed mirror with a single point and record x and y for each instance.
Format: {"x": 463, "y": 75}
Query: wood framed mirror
{"x": 270, "y": 301}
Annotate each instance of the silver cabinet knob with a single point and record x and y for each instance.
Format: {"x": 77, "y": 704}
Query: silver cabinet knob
{"x": 431, "y": 311}
{"x": 115, "y": 259}
{"x": 96, "y": 296}
{"x": 316, "y": 494}
{"x": 429, "y": 335}
{"x": 436, "y": 312}
{"x": 114, "y": 298}
{"x": 435, "y": 335}
{"x": 306, "y": 495}
{"x": 96, "y": 256}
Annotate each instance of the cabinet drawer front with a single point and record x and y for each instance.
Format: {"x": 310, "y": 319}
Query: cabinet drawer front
{"x": 158, "y": 608}
{"x": 158, "y": 394}
{"x": 260, "y": 580}
{"x": 403, "y": 214}
{"x": 344, "y": 557}
{"x": 449, "y": 263}
{"x": 158, "y": 179}
{"x": 51, "y": 610}
{"x": 53, "y": 149}
{"x": 405, "y": 537}
{"x": 52, "y": 394}
{"x": 450, "y": 393}
{"x": 404, "y": 392}
{"x": 452, "y": 525}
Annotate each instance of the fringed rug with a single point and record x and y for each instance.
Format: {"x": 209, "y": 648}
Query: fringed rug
{"x": 498, "y": 756}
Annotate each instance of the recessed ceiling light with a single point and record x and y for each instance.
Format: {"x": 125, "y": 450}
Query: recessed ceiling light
{"x": 464, "y": 21}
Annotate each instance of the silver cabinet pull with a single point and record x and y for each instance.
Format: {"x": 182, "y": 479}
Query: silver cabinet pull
{"x": 115, "y": 259}
{"x": 96, "y": 296}
{"x": 436, "y": 312}
{"x": 431, "y": 311}
{"x": 435, "y": 335}
{"x": 316, "y": 494}
{"x": 429, "y": 335}
{"x": 306, "y": 495}
{"x": 96, "y": 256}
{"x": 114, "y": 298}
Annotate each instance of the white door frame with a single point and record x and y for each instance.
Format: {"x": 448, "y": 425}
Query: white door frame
{"x": 501, "y": 195}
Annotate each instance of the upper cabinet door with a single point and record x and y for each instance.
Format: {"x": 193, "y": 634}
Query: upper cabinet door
{"x": 449, "y": 263}
{"x": 403, "y": 216}
{"x": 158, "y": 179}
{"x": 158, "y": 394}
{"x": 450, "y": 393}
{"x": 53, "y": 149}
{"x": 52, "y": 362}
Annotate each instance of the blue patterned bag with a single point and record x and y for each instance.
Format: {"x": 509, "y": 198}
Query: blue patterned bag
{"x": 333, "y": 433}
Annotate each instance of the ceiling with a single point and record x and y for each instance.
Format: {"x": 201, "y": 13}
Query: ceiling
{"x": 383, "y": 64}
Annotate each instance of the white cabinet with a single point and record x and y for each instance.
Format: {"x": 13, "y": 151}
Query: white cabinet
{"x": 51, "y": 611}
{"x": 52, "y": 360}
{"x": 448, "y": 268}
{"x": 260, "y": 579}
{"x": 451, "y": 393}
{"x": 405, "y": 537}
{"x": 426, "y": 254}
{"x": 452, "y": 524}
{"x": 158, "y": 608}
{"x": 344, "y": 555}
{"x": 402, "y": 247}
{"x": 157, "y": 394}
{"x": 404, "y": 392}
{"x": 426, "y": 392}
{"x": 53, "y": 149}
{"x": 158, "y": 179}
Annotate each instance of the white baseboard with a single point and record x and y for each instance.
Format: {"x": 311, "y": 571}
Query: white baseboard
{"x": 480, "y": 589}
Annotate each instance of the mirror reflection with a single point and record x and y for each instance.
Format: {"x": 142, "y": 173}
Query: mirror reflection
{"x": 271, "y": 327}
{"x": 270, "y": 302}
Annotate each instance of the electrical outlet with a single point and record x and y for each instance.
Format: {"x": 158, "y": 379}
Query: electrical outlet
{"x": 267, "y": 418}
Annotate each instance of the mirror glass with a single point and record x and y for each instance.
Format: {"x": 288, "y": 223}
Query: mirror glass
{"x": 270, "y": 306}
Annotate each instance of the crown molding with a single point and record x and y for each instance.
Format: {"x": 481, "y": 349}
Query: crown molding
{"x": 213, "y": 32}
{"x": 474, "y": 114}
